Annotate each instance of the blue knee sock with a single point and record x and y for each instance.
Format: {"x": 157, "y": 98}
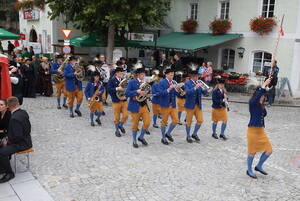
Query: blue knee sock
{"x": 262, "y": 159}
{"x": 223, "y": 127}
{"x": 179, "y": 115}
{"x": 58, "y": 101}
{"x": 142, "y": 134}
{"x": 77, "y": 107}
{"x": 249, "y": 162}
{"x": 117, "y": 128}
{"x": 98, "y": 114}
{"x": 92, "y": 116}
{"x": 71, "y": 110}
{"x": 65, "y": 100}
{"x": 197, "y": 127}
{"x": 188, "y": 130}
{"x": 154, "y": 119}
{"x": 171, "y": 127}
{"x": 134, "y": 134}
{"x": 121, "y": 124}
{"x": 163, "y": 132}
{"x": 214, "y": 128}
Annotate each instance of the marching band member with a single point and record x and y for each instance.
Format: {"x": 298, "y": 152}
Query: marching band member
{"x": 119, "y": 106}
{"x": 59, "y": 84}
{"x": 73, "y": 86}
{"x": 193, "y": 105}
{"x": 257, "y": 139}
{"x": 168, "y": 105}
{"x": 156, "y": 98}
{"x": 181, "y": 101}
{"x": 219, "y": 111}
{"x": 138, "y": 109}
{"x": 93, "y": 93}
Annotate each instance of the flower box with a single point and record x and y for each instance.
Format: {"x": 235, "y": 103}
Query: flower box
{"x": 261, "y": 25}
{"x": 189, "y": 26}
{"x": 220, "y": 26}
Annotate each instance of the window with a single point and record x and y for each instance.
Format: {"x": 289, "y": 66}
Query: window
{"x": 193, "y": 11}
{"x": 224, "y": 14}
{"x": 228, "y": 56}
{"x": 260, "y": 60}
{"x": 268, "y": 8}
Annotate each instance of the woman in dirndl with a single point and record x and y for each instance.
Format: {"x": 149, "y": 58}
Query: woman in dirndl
{"x": 257, "y": 139}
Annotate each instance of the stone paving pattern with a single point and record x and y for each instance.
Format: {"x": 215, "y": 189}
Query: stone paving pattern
{"x": 77, "y": 162}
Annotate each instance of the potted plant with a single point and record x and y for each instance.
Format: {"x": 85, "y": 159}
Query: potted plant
{"x": 220, "y": 26}
{"x": 189, "y": 26}
{"x": 262, "y": 25}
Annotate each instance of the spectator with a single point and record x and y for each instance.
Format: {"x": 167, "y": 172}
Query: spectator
{"x": 124, "y": 61}
{"x": 19, "y": 138}
{"x": 201, "y": 70}
{"x": 45, "y": 78}
{"x": 4, "y": 119}
{"x": 208, "y": 73}
{"x": 17, "y": 84}
{"x": 31, "y": 52}
{"x": 1, "y": 48}
{"x": 28, "y": 78}
{"x": 10, "y": 47}
{"x": 163, "y": 62}
{"x": 25, "y": 53}
{"x": 273, "y": 73}
{"x": 151, "y": 65}
{"x": 177, "y": 64}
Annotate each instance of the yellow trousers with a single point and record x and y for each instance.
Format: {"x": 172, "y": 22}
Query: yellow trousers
{"x": 156, "y": 109}
{"x": 180, "y": 104}
{"x": 120, "y": 107}
{"x": 145, "y": 114}
{"x": 60, "y": 88}
{"x": 165, "y": 113}
{"x": 197, "y": 112}
{"x": 97, "y": 107}
{"x": 78, "y": 94}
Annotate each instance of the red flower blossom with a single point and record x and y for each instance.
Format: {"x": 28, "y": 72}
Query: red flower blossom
{"x": 262, "y": 25}
{"x": 220, "y": 26}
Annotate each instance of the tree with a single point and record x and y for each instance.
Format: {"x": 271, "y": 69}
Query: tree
{"x": 110, "y": 16}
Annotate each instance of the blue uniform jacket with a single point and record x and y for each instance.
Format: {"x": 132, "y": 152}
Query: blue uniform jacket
{"x": 167, "y": 98}
{"x": 54, "y": 68}
{"x": 257, "y": 113}
{"x": 217, "y": 99}
{"x": 70, "y": 78}
{"x": 156, "y": 92}
{"x": 90, "y": 90}
{"x": 191, "y": 93}
{"x": 131, "y": 92}
{"x": 112, "y": 85}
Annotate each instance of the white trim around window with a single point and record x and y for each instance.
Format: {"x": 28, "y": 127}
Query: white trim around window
{"x": 193, "y": 9}
{"x": 224, "y": 9}
{"x": 261, "y": 59}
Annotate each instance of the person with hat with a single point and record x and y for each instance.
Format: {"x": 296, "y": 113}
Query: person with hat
{"x": 93, "y": 93}
{"x": 219, "y": 110}
{"x": 45, "y": 78}
{"x": 181, "y": 98}
{"x": 73, "y": 87}
{"x": 168, "y": 105}
{"x": 59, "y": 83}
{"x": 156, "y": 98}
{"x": 16, "y": 83}
{"x": 28, "y": 79}
{"x": 193, "y": 105}
{"x": 138, "y": 109}
{"x": 119, "y": 106}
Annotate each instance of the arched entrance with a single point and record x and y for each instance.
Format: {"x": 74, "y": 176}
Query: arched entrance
{"x": 32, "y": 36}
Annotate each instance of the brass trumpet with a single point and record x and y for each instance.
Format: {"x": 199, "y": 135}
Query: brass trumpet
{"x": 203, "y": 85}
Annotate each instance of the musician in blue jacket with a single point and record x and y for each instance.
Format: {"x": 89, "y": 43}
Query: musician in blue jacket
{"x": 257, "y": 139}
{"x": 219, "y": 110}
{"x": 59, "y": 84}
{"x": 193, "y": 105}
{"x": 95, "y": 104}
{"x": 168, "y": 105}
{"x": 156, "y": 98}
{"x": 73, "y": 86}
{"x": 119, "y": 106}
{"x": 138, "y": 109}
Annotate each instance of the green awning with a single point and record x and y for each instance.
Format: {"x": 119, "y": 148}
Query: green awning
{"x": 94, "y": 40}
{"x": 190, "y": 42}
{"x": 6, "y": 35}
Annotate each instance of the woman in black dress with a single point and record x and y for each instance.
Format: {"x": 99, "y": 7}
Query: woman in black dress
{"x": 28, "y": 78}
{"x": 45, "y": 78}
{"x": 4, "y": 118}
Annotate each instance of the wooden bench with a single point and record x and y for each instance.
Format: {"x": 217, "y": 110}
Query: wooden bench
{"x": 26, "y": 152}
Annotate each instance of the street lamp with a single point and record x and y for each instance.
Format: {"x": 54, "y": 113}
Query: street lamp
{"x": 241, "y": 51}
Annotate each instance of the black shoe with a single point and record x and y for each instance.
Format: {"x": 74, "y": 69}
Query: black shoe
{"x": 92, "y": 123}
{"x": 78, "y": 113}
{"x": 135, "y": 145}
{"x": 189, "y": 140}
{"x": 103, "y": 113}
{"x": 7, "y": 177}
{"x": 72, "y": 115}
{"x": 165, "y": 142}
{"x": 159, "y": 116}
{"x": 143, "y": 141}
{"x": 105, "y": 103}
{"x": 261, "y": 171}
{"x": 155, "y": 126}
{"x": 122, "y": 129}
{"x": 215, "y": 136}
{"x": 98, "y": 122}
{"x": 252, "y": 176}
{"x": 196, "y": 138}
{"x": 147, "y": 132}
{"x": 179, "y": 123}
{"x": 58, "y": 107}
{"x": 65, "y": 106}
{"x": 223, "y": 137}
{"x": 170, "y": 138}
{"x": 117, "y": 134}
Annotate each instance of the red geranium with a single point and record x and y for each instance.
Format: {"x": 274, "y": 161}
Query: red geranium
{"x": 189, "y": 26}
{"x": 262, "y": 25}
{"x": 220, "y": 26}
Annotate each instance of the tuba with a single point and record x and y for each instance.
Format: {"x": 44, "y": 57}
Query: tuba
{"x": 121, "y": 94}
{"x": 80, "y": 73}
{"x": 146, "y": 87}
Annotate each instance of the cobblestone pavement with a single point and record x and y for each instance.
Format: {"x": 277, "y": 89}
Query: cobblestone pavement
{"x": 76, "y": 162}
